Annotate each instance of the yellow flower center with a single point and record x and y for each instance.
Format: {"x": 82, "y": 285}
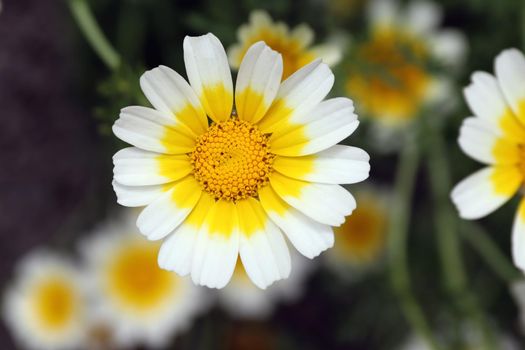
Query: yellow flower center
{"x": 135, "y": 280}
{"x": 389, "y": 78}
{"x": 521, "y": 156}
{"x": 55, "y": 302}
{"x": 232, "y": 160}
{"x": 294, "y": 54}
{"x": 362, "y": 236}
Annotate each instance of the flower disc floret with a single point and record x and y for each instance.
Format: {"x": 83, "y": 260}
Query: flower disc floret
{"x": 232, "y": 160}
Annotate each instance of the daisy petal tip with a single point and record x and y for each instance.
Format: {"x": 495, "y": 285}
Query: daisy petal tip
{"x": 510, "y": 53}
{"x": 210, "y": 37}
{"x": 479, "y": 76}
{"x": 140, "y": 225}
{"x": 507, "y": 59}
{"x": 115, "y": 130}
{"x": 259, "y": 46}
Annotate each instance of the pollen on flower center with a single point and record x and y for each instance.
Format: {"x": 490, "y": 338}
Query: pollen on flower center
{"x": 232, "y": 160}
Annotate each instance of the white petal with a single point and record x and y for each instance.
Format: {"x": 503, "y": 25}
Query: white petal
{"x": 510, "y": 70}
{"x": 336, "y": 165}
{"x": 309, "y": 237}
{"x": 450, "y": 47}
{"x": 330, "y": 122}
{"x": 169, "y": 92}
{"x": 152, "y": 130}
{"x": 423, "y": 16}
{"x": 485, "y": 98}
{"x": 217, "y": 247}
{"x": 258, "y": 81}
{"x": 176, "y": 252}
{"x": 477, "y": 196}
{"x": 299, "y": 94}
{"x": 327, "y": 204}
{"x": 477, "y": 140}
{"x": 383, "y": 12}
{"x": 135, "y": 167}
{"x": 136, "y": 196}
{"x": 169, "y": 210}
{"x": 518, "y": 237}
{"x": 209, "y": 74}
{"x": 262, "y": 248}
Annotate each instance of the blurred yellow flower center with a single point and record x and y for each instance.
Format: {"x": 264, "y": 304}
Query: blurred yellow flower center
{"x": 389, "y": 79}
{"x": 361, "y": 237}
{"x": 232, "y": 160}
{"x": 294, "y": 54}
{"x": 135, "y": 280}
{"x": 55, "y": 302}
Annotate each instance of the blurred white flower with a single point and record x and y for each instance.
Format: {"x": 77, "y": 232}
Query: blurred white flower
{"x": 134, "y": 300}
{"x": 390, "y": 73}
{"x": 361, "y": 239}
{"x": 45, "y": 306}
{"x": 495, "y": 136}
{"x": 294, "y": 45}
{"x": 243, "y": 299}
{"x": 223, "y": 178}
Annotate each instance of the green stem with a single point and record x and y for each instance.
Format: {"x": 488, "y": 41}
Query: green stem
{"x": 479, "y": 240}
{"x": 397, "y": 243}
{"x": 448, "y": 240}
{"x": 94, "y": 35}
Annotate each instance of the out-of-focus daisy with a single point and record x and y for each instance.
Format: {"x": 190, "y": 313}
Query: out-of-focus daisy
{"x": 390, "y": 72}
{"x": 270, "y": 164}
{"x": 361, "y": 239}
{"x": 294, "y": 45}
{"x": 135, "y": 301}
{"x": 244, "y": 300}
{"x": 45, "y": 306}
{"x": 495, "y": 136}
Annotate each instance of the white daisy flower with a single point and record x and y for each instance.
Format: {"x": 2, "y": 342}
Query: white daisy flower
{"x": 361, "y": 239}
{"x": 45, "y": 307}
{"x": 215, "y": 190}
{"x": 495, "y": 136}
{"x": 135, "y": 301}
{"x": 389, "y": 75}
{"x": 294, "y": 45}
{"x": 244, "y": 300}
